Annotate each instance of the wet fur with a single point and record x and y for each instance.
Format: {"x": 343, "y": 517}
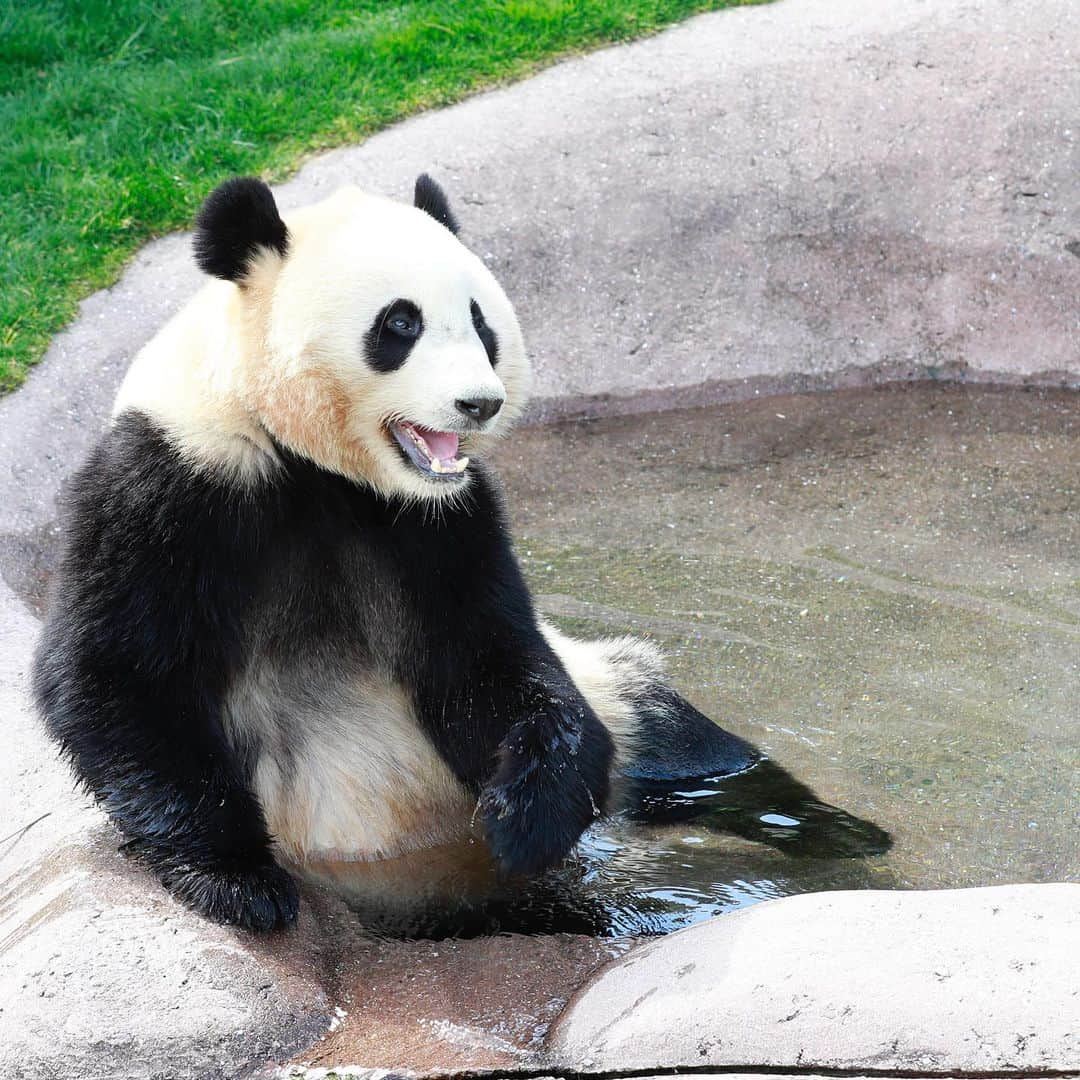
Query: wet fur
{"x": 272, "y": 639}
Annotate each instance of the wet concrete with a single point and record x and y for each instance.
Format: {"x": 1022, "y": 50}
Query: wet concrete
{"x": 881, "y": 588}
{"x": 441, "y": 1007}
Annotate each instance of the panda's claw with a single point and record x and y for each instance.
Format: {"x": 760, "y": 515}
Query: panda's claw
{"x": 262, "y": 898}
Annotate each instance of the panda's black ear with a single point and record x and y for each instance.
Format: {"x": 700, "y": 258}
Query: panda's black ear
{"x": 431, "y": 198}
{"x": 238, "y": 217}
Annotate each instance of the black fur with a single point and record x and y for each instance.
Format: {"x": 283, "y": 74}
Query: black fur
{"x": 431, "y": 198}
{"x": 169, "y": 580}
{"x": 485, "y": 333}
{"x": 238, "y": 217}
{"x": 675, "y": 741}
{"x": 385, "y": 348}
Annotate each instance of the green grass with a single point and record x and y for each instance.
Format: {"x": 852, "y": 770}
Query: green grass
{"x": 118, "y": 116}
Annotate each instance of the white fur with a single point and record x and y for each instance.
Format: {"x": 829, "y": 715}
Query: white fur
{"x": 357, "y": 781}
{"x": 283, "y": 353}
{"x": 183, "y": 379}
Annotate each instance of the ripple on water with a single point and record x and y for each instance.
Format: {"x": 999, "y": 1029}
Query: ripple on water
{"x": 683, "y": 856}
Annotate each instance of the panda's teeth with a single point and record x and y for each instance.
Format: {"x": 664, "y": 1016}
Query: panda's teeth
{"x": 450, "y": 466}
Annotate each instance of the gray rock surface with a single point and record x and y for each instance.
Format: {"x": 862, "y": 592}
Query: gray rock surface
{"x": 975, "y": 981}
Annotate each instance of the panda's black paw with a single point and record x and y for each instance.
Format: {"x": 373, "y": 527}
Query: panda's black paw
{"x": 551, "y": 783}
{"x": 259, "y": 898}
{"x": 255, "y": 896}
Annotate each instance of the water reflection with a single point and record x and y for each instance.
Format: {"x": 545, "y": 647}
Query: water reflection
{"x": 678, "y": 857}
{"x": 765, "y": 804}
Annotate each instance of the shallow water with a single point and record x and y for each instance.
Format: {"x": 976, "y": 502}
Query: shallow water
{"x": 880, "y": 588}
{"x": 685, "y": 853}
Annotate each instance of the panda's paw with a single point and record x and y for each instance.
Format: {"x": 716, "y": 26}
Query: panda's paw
{"x": 252, "y": 895}
{"x": 255, "y": 898}
{"x": 551, "y": 783}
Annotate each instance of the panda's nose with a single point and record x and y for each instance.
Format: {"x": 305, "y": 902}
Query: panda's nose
{"x": 480, "y": 409}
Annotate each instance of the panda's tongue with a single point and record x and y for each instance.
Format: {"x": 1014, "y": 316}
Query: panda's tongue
{"x": 442, "y": 444}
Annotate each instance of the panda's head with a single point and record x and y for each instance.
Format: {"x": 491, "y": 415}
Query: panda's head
{"x": 374, "y": 342}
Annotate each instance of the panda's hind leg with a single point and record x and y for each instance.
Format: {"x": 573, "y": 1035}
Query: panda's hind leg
{"x": 660, "y": 738}
{"x": 675, "y": 764}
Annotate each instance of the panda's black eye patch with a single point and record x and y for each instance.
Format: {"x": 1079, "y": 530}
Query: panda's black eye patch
{"x": 485, "y": 333}
{"x": 392, "y": 335}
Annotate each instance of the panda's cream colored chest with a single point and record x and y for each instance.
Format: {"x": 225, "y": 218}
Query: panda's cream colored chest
{"x": 345, "y": 774}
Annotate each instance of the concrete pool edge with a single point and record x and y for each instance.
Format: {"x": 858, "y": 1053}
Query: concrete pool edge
{"x": 601, "y": 404}
{"x": 969, "y": 981}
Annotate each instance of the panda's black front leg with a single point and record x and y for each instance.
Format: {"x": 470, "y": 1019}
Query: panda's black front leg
{"x": 131, "y": 671}
{"x": 154, "y": 760}
{"x": 167, "y": 779}
{"x": 552, "y": 778}
{"x": 512, "y": 725}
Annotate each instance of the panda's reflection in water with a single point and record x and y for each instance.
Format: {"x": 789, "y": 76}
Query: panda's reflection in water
{"x": 676, "y": 856}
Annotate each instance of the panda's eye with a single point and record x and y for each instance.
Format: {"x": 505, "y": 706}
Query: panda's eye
{"x": 404, "y": 320}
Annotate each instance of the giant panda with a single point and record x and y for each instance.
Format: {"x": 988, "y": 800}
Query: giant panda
{"x": 288, "y": 624}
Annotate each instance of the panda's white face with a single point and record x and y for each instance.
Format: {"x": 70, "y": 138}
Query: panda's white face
{"x": 359, "y": 333}
{"x": 389, "y": 352}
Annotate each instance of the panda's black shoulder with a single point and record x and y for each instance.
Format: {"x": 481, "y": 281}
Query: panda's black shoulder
{"x": 151, "y": 544}
{"x": 137, "y": 482}
{"x": 132, "y": 461}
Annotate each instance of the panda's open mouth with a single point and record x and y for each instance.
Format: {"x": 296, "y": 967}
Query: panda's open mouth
{"x": 434, "y": 453}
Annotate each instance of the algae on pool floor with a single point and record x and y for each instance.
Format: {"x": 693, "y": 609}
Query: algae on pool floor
{"x": 881, "y": 588}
